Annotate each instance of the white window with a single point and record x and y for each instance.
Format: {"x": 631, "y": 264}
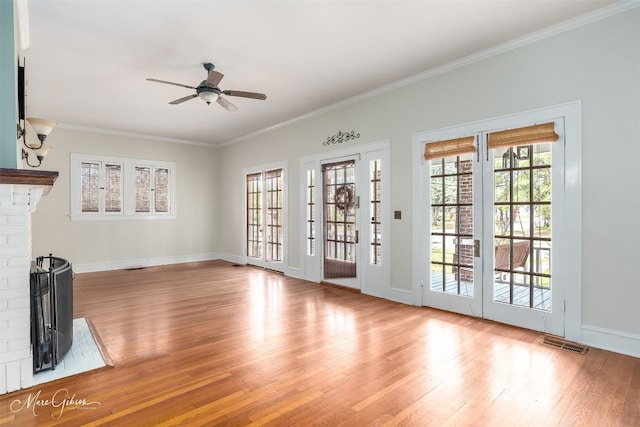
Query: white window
{"x": 101, "y": 187}
{"x": 121, "y": 188}
{"x": 152, "y": 189}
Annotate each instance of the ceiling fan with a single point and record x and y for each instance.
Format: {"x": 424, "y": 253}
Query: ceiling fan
{"x": 209, "y": 91}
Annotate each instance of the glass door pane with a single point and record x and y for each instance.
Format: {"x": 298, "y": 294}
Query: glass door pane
{"x": 522, "y": 226}
{"x": 339, "y": 219}
{"x": 254, "y": 215}
{"x": 375, "y": 198}
{"x": 452, "y": 244}
{"x": 273, "y": 182}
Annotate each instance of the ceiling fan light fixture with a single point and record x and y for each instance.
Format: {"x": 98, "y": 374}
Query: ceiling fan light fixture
{"x": 208, "y": 96}
{"x": 209, "y": 91}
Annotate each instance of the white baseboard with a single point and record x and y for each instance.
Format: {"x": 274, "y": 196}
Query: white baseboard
{"x": 401, "y": 295}
{"x": 235, "y": 259}
{"x": 608, "y": 339}
{"x": 144, "y": 262}
{"x": 293, "y": 272}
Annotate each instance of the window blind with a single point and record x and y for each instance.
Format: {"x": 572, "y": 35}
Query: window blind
{"x": 89, "y": 173}
{"x": 161, "y": 193}
{"x": 529, "y": 135}
{"x": 449, "y": 147}
{"x": 113, "y": 194}
{"x": 143, "y": 189}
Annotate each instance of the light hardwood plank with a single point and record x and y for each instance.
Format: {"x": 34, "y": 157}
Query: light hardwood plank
{"x": 213, "y": 344}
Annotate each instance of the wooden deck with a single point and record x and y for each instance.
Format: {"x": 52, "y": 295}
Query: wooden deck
{"x": 216, "y": 345}
{"x": 521, "y": 294}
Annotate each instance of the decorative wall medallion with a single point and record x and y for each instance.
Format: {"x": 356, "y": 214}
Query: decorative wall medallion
{"x": 341, "y": 137}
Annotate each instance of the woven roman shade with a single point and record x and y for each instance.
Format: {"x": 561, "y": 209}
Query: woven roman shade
{"x": 536, "y": 134}
{"x": 449, "y": 147}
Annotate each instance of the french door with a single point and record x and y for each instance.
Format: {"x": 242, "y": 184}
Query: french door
{"x": 345, "y": 218}
{"x": 341, "y": 233}
{"x": 265, "y": 202}
{"x": 493, "y": 213}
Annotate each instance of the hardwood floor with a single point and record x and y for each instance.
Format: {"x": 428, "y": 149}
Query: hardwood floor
{"x": 213, "y": 344}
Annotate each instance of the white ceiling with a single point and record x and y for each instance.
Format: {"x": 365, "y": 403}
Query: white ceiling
{"x": 88, "y": 60}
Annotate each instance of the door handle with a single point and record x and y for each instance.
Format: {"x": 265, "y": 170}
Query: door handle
{"x": 357, "y": 237}
{"x": 476, "y": 248}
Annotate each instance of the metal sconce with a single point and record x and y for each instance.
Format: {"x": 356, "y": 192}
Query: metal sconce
{"x": 42, "y": 128}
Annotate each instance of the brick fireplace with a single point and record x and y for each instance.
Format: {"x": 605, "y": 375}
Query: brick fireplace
{"x": 20, "y": 192}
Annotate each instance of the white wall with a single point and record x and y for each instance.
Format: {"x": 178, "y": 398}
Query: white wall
{"x": 101, "y": 245}
{"x": 598, "y": 63}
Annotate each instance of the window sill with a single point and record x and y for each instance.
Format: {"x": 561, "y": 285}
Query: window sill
{"x": 102, "y": 217}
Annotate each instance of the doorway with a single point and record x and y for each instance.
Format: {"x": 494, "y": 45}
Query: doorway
{"x": 345, "y": 218}
{"x": 265, "y": 217}
{"x": 493, "y": 220}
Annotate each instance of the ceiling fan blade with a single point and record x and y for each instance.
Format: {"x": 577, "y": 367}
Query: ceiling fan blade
{"x": 252, "y": 95}
{"x": 226, "y": 104}
{"x": 183, "y": 99}
{"x": 213, "y": 78}
{"x": 170, "y": 83}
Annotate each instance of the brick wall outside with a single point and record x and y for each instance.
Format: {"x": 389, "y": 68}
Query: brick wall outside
{"x": 465, "y": 252}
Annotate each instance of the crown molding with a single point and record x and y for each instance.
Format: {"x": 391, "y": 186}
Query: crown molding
{"x": 531, "y": 38}
{"x": 132, "y": 135}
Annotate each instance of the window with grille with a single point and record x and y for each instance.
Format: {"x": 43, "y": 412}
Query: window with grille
{"x": 375, "y": 178}
{"x": 121, "y": 188}
{"x": 311, "y": 220}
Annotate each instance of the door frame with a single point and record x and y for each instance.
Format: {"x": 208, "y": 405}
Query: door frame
{"x": 571, "y": 222}
{"x": 272, "y": 265}
{"x": 372, "y": 279}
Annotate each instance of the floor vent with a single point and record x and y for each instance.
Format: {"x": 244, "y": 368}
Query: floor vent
{"x": 565, "y": 345}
